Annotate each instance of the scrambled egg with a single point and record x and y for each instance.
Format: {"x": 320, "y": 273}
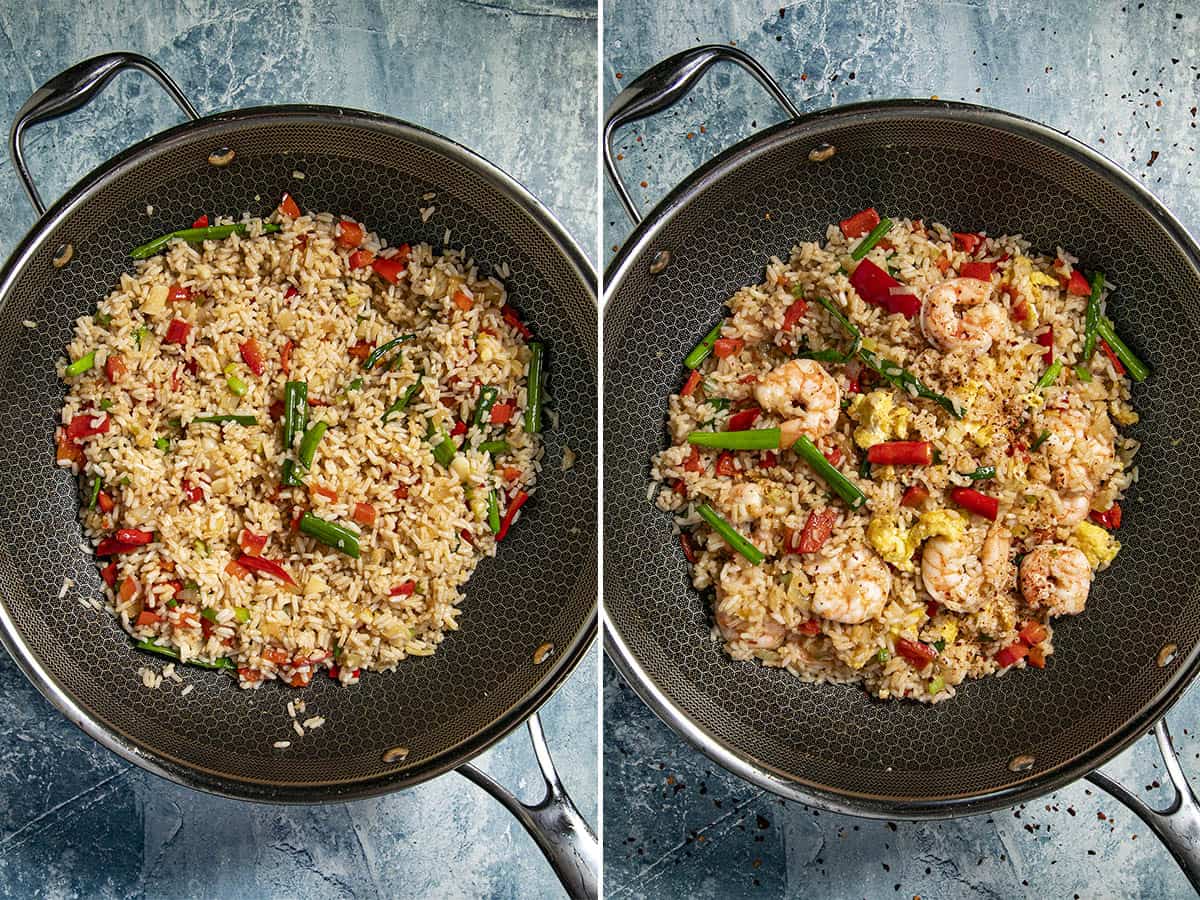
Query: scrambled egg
{"x": 896, "y": 544}
{"x": 1022, "y": 270}
{"x": 950, "y": 630}
{"x": 1098, "y": 545}
{"x": 879, "y": 418}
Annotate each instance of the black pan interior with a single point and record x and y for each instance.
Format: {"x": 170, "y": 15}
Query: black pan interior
{"x": 541, "y": 588}
{"x": 973, "y": 170}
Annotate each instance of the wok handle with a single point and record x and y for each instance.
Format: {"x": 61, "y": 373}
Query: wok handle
{"x": 76, "y": 87}
{"x": 554, "y": 823}
{"x": 1178, "y": 824}
{"x": 665, "y": 84}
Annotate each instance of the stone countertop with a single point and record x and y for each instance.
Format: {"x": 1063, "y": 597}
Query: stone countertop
{"x": 1122, "y": 77}
{"x": 76, "y": 820}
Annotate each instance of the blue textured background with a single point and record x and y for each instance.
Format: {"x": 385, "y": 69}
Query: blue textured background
{"x": 76, "y": 820}
{"x": 1120, "y": 76}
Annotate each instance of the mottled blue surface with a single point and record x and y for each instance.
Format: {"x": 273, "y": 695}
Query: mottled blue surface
{"x": 677, "y": 825}
{"x": 75, "y": 820}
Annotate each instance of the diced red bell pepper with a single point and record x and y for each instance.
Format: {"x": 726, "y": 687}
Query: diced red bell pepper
{"x": 327, "y": 493}
{"x": 133, "y": 536}
{"x": 177, "y": 332}
{"x": 201, "y": 221}
{"x": 514, "y": 321}
{"x": 768, "y": 460}
{"x": 288, "y": 207}
{"x": 517, "y": 502}
{"x": 1033, "y": 632}
{"x": 361, "y": 350}
{"x": 403, "y": 590}
{"x": 1109, "y": 518}
{"x": 811, "y": 628}
{"x": 794, "y": 313}
{"x": 401, "y": 492}
{"x": 109, "y": 574}
{"x": 1078, "y": 285}
{"x": 266, "y": 566}
{"x": 726, "y": 467}
{"x": 105, "y": 501}
{"x": 462, "y": 301}
{"x": 285, "y": 357}
{"x": 178, "y": 293}
{"x": 744, "y": 420}
{"x": 834, "y": 455}
{"x": 252, "y": 356}
{"x": 67, "y": 450}
{"x": 917, "y": 653}
{"x": 973, "y": 501}
{"x": 502, "y": 413}
{"x": 817, "y": 529}
{"x": 1037, "y": 657}
{"x": 390, "y": 268}
{"x": 693, "y": 463}
{"x": 901, "y": 453}
{"x": 966, "y": 241}
{"x": 914, "y": 496}
{"x": 145, "y": 617}
{"x": 115, "y": 368}
{"x": 193, "y": 492}
{"x": 981, "y": 271}
{"x": 723, "y": 347}
{"x": 350, "y": 234}
{"x": 693, "y": 382}
{"x": 1112, "y": 357}
{"x": 511, "y": 473}
{"x": 245, "y": 673}
{"x": 459, "y": 428}
{"x": 875, "y": 285}
{"x": 1046, "y": 339}
{"x": 364, "y": 514}
{"x": 300, "y": 679}
{"x": 112, "y": 547}
{"x": 360, "y": 259}
{"x": 931, "y": 608}
{"x": 81, "y": 426}
{"x": 1011, "y": 655}
{"x": 276, "y": 655}
{"x": 689, "y": 549}
{"x": 252, "y": 543}
{"x": 860, "y": 223}
{"x": 129, "y": 587}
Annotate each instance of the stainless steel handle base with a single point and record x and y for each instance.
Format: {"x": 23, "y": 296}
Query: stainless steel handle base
{"x": 76, "y": 87}
{"x": 665, "y": 84}
{"x": 1178, "y": 824}
{"x": 554, "y": 823}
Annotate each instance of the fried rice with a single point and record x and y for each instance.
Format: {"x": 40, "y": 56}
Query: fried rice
{"x": 207, "y": 556}
{"x": 997, "y": 484}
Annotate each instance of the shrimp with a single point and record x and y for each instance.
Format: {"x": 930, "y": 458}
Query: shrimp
{"x": 1081, "y": 449}
{"x": 738, "y": 583}
{"x": 994, "y": 556}
{"x": 952, "y": 574}
{"x": 981, "y": 322}
{"x": 851, "y": 588}
{"x": 1056, "y": 578}
{"x": 804, "y": 395}
{"x": 1071, "y": 508}
{"x": 743, "y": 501}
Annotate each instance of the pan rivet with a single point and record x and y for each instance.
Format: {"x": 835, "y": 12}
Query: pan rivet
{"x": 395, "y": 755}
{"x": 821, "y": 153}
{"x": 222, "y": 157}
{"x": 542, "y": 653}
{"x": 1166, "y": 655}
{"x": 62, "y": 256}
{"x": 1022, "y": 763}
{"x": 661, "y": 260}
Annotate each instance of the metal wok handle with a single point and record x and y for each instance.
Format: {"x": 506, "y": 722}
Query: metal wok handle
{"x": 76, "y": 87}
{"x": 1178, "y": 824}
{"x": 665, "y": 84}
{"x": 554, "y": 823}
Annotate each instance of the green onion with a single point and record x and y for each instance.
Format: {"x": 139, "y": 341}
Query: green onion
{"x": 295, "y": 411}
{"x": 797, "y": 290}
{"x": 1091, "y": 320}
{"x": 1137, "y": 369}
{"x": 864, "y": 467}
{"x": 1049, "y": 376}
{"x": 1041, "y": 439}
{"x": 139, "y": 334}
{"x": 162, "y": 444}
{"x": 201, "y": 548}
{"x": 223, "y": 419}
{"x": 939, "y": 645}
{"x": 241, "y": 615}
{"x": 172, "y": 603}
{"x": 719, "y": 402}
{"x": 906, "y": 381}
{"x": 533, "y": 389}
{"x": 883, "y": 655}
{"x": 832, "y": 355}
{"x": 237, "y": 385}
{"x": 752, "y": 439}
{"x": 732, "y": 538}
{"x": 1083, "y": 373}
{"x": 443, "y": 448}
{"x": 337, "y": 651}
{"x": 493, "y": 512}
{"x": 330, "y": 534}
{"x": 95, "y": 492}
{"x": 194, "y": 235}
{"x": 937, "y": 685}
{"x": 221, "y": 662}
{"x": 842, "y": 486}
{"x": 383, "y": 349}
{"x": 355, "y": 385}
{"x": 982, "y": 473}
{"x": 494, "y": 447}
{"x": 487, "y": 399}
{"x": 701, "y": 351}
{"x": 308, "y": 443}
{"x": 209, "y": 613}
{"x": 102, "y": 319}
{"x": 402, "y": 403}
{"x": 81, "y": 365}
{"x": 875, "y": 236}
{"x": 105, "y": 405}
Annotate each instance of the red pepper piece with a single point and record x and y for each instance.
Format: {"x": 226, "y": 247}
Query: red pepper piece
{"x": 459, "y": 428}
{"x": 105, "y": 501}
{"x": 914, "y": 496}
{"x": 133, "y": 536}
{"x": 403, "y": 590}
{"x": 115, "y": 368}
{"x": 744, "y": 420}
{"x": 1078, "y": 285}
{"x": 194, "y": 493}
{"x": 288, "y": 207}
{"x": 266, "y": 566}
{"x": 81, "y": 426}
{"x": 693, "y": 382}
{"x": 502, "y": 413}
{"x": 390, "y": 268}
{"x": 689, "y": 550}
{"x": 1011, "y": 654}
{"x": 966, "y": 241}
{"x": 350, "y": 234}
{"x": 1033, "y": 633}
{"x": 177, "y": 332}
{"x": 517, "y": 502}
{"x": 769, "y": 460}
{"x": 973, "y": 501}
{"x": 364, "y": 514}
{"x": 112, "y": 547}
{"x": 875, "y": 285}
{"x": 723, "y": 347}
{"x": 860, "y": 223}
{"x": 1112, "y": 357}
{"x": 817, "y": 529}
{"x": 981, "y": 271}
{"x": 901, "y": 453}
{"x": 726, "y": 467}
{"x": 109, "y": 574}
{"x": 201, "y": 221}
{"x": 931, "y": 608}
{"x": 1046, "y": 339}
{"x": 514, "y": 321}
{"x": 794, "y": 313}
{"x": 360, "y": 259}
{"x": 252, "y": 356}
{"x": 252, "y": 543}
{"x": 917, "y": 653}
{"x": 693, "y": 463}
{"x": 812, "y": 627}
{"x": 1109, "y": 518}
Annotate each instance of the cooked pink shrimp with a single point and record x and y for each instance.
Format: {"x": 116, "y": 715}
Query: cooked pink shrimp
{"x": 1056, "y": 578}
{"x": 980, "y": 322}
{"x": 851, "y": 587}
{"x": 805, "y": 395}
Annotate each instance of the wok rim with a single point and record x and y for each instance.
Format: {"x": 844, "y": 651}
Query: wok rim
{"x": 201, "y": 778}
{"x": 787, "y": 784}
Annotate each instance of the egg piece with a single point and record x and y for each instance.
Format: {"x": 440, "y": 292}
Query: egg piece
{"x": 879, "y": 418}
{"x": 1097, "y": 545}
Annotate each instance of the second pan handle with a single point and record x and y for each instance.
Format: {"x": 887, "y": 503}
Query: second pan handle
{"x": 665, "y": 84}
